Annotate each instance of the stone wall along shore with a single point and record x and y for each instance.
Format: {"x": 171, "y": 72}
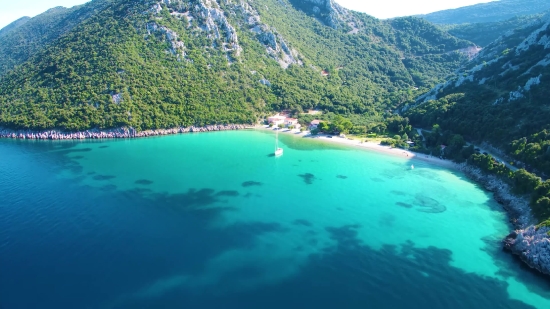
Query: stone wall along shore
{"x": 112, "y": 133}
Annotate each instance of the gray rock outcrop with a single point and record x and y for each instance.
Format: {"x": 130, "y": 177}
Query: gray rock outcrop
{"x": 327, "y": 11}
{"x": 532, "y": 245}
{"x": 211, "y": 20}
{"x": 276, "y": 46}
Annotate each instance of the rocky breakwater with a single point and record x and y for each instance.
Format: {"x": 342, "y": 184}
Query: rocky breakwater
{"x": 112, "y": 133}
{"x": 530, "y": 243}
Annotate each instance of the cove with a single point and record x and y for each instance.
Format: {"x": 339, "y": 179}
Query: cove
{"x": 212, "y": 220}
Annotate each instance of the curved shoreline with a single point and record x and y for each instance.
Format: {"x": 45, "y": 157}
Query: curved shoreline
{"x": 374, "y": 147}
{"x": 530, "y": 244}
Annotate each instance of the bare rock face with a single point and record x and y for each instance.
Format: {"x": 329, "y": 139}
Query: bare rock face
{"x": 210, "y": 17}
{"x": 275, "y": 44}
{"x": 327, "y": 11}
{"x": 177, "y": 46}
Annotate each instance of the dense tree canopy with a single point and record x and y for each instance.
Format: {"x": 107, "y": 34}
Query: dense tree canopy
{"x": 107, "y": 68}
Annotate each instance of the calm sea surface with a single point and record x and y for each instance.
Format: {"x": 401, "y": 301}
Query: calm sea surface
{"x": 213, "y": 221}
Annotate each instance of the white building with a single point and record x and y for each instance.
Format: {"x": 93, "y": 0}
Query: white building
{"x": 276, "y": 120}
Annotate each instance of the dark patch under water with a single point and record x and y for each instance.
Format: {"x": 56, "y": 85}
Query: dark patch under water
{"x": 228, "y": 193}
{"x": 103, "y": 177}
{"x": 103, "y": 147}
{"x": 145, "y": 182}
{"x": 428, "y": 204}
{"x": 404, "y": 205}
{"x": 302, "y": 222}
{"x": 342, "y": 177}
{"x": 109, "y": 188}
{"x": 308, "y": 178}
{"x": 396, "y": 192}
{"x": 251, "y": 183}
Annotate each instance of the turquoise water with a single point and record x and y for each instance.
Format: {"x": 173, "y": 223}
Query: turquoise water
{"x": 215, "y": 221}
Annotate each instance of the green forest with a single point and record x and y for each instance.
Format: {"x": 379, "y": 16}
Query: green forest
{"x": 107, "y": 70}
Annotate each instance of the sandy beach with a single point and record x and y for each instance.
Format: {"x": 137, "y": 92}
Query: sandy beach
{"x": 373, "y": 146}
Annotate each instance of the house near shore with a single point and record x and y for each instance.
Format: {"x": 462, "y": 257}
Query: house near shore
{"x": 276, "y": 120}
{"x": 314, "y": 124}
{"x": 292, "y": 122}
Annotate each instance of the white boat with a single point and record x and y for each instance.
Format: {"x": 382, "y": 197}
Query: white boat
{"x": 278, "y": 151}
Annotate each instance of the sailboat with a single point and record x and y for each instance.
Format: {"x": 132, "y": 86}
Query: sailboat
{"x": 278, "y": 151}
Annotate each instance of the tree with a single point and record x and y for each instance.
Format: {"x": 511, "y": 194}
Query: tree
{"x": 525, "y": 182}
{"x": 341, "y": 125}
{"x": 324, "y": 127}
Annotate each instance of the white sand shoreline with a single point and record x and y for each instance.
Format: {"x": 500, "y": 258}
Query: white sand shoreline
{"x": 371, "y": 146}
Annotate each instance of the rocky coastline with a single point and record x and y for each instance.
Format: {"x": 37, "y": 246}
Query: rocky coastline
{"x": 529, "y": 243}
{"x": 126, "y": 132}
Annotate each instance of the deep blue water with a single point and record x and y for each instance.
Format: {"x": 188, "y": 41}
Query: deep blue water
{"x": 212, "y": 221}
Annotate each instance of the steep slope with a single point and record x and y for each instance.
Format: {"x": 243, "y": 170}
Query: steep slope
{"x": 160, "y": 64}
{"x": 488, "y": 12}
{"x": 14, "y": 25}
{"x": 23, "y": 38}
{"x": 483, "y": 34}
{"x": 500, "y": 97}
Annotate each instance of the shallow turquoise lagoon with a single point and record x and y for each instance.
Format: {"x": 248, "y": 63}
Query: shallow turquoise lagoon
{"x": 215, "y": 221}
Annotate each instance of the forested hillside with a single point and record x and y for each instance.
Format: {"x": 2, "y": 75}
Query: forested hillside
{"x": 24, "y": 37}
{"x": 488, "y": 12}
{"x": 483, "y": 34}
{"x": 501, "y": 97}
{"x": 14, "y": 25}
{"x": 148, "y": 64}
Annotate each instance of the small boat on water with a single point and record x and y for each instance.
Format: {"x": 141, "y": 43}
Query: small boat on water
{"x": 412, "y": 167}
{"x": 278, "y": 150}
